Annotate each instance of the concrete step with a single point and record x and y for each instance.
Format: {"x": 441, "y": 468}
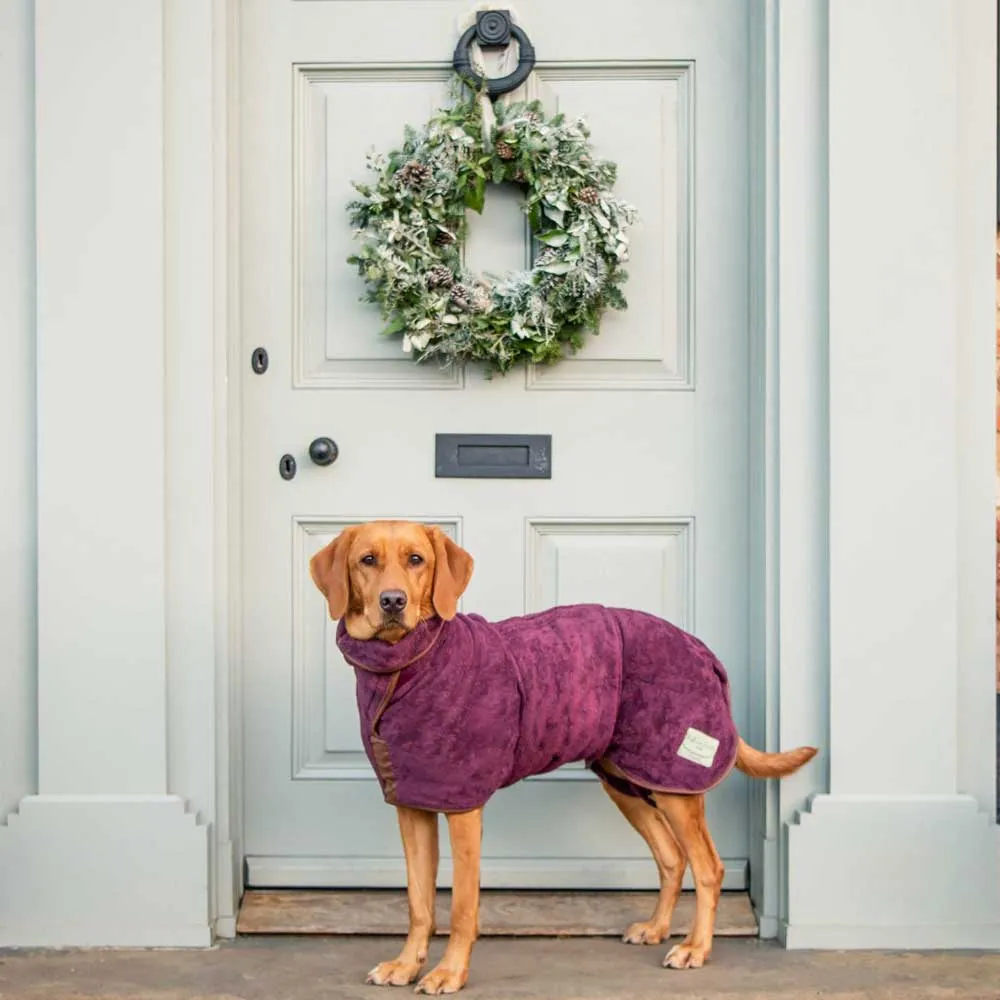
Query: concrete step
{"x": 502, "y": 913}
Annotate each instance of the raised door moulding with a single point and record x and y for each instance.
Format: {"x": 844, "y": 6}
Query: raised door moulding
{"x": 373, "y": 363}
{"x": 670, "y": 365}
{"x": 313, "y": 758}
{"x": 370, "y": 364}
{"x": 666, "y": 536}
{"x": 316, "y": 662}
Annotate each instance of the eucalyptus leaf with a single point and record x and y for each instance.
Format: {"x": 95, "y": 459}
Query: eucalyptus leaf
{"x": 554, "y": 238}
{"x": 557, "y": 215}
{"x": 475, "y": 195}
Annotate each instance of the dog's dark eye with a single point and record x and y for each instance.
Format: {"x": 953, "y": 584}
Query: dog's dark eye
{"x": 416, "y": 559}
{"x": 368, "y": 560}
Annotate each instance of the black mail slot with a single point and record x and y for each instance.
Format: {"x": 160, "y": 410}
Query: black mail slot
{"x": 493, "y": 456}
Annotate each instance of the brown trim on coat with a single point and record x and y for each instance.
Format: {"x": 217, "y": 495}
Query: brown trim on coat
{"x": 380, "y": 749}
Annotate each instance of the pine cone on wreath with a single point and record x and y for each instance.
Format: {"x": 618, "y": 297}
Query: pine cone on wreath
{"x": 440, "y": 276}
{"x": 443, "y": 238}
{"x": 460, "y": 296}
{"x": 588, "y": 195}
{"x": 414, "y": 174}
{"x": 505, "y": 150}
{"x": 482, "y": 298}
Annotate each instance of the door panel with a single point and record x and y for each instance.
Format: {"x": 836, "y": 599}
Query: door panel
{"x": 649, "y": 345}
{"x": 647, "y": 504}
{"x": 340, "y": 113}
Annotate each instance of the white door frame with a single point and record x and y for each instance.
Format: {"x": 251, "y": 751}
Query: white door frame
{"x": 801, "y": 72}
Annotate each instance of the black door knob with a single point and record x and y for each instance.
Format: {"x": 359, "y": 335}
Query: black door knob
{"x": 324, "y": 451}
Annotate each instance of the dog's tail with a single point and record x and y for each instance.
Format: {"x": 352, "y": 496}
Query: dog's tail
{"x": 758, "y": 764}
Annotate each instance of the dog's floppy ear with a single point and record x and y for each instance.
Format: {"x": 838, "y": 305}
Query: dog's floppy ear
{"x": 331, "y": 575}
{"x": 452, "y": 572}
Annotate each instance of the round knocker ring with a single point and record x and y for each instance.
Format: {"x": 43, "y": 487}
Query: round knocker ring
{"x": 501, "y": 84}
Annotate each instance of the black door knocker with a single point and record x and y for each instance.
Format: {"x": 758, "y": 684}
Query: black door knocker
{"x": 493, "y": 30}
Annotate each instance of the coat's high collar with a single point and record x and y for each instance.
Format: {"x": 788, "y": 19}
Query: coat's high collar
{"x": 380, "y": 657}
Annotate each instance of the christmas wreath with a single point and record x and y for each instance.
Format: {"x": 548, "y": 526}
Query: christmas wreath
{"x": 411, "y": 224}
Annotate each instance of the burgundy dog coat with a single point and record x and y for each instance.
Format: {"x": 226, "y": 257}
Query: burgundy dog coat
{"x": 457, "y": 710}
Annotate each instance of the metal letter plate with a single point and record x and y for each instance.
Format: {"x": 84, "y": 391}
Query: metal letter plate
{"x": 493, "y": 456}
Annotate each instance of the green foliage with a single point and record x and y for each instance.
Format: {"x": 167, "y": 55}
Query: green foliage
{"x": 412, "y": 219}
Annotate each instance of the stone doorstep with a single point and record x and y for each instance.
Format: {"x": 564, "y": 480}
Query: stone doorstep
{"x": 502, "y": 914}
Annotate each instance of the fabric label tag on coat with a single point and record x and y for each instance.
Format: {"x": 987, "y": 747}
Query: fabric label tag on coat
{"x": 699, "y": 747}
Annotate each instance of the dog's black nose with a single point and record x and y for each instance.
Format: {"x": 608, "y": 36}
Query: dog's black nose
{"x": 392, "y": 601}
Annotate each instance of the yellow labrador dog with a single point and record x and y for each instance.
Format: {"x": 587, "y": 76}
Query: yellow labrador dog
{"x": 442, "y": 697}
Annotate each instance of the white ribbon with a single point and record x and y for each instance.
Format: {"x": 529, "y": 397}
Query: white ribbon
{"x": 503, "y": 62}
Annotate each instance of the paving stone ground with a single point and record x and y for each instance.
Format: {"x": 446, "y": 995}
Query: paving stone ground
{"x": 324, "y": 968}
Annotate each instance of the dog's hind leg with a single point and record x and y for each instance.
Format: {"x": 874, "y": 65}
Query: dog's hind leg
{"x": 686, "y": 815}
{"x": 653, "y": 827}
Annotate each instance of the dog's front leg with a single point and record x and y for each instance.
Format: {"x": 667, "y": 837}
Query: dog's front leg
{"x": 449, "y": 976}
{"x": 419, "y": 831}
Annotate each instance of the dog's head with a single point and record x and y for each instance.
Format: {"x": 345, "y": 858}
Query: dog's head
{"x": 385, "y": 577}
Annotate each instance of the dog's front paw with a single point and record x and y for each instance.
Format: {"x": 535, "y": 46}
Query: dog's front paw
{"x": 645, "y": 932}
{"x": 686, "y": 956}
{"x": 394, "y": 973}
{"x": 442, "y": 980}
